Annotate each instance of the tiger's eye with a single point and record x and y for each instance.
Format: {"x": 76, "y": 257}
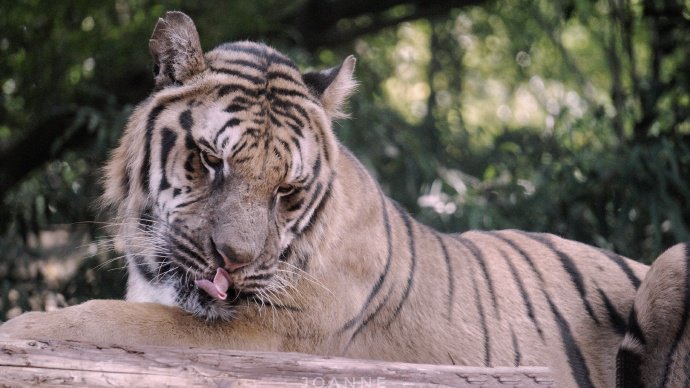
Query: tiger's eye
{"x": 211, "y": 161}
{"x": 285, "y": 189}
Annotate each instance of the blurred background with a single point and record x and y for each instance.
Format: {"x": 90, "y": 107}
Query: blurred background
{"x": 566, "y": 116}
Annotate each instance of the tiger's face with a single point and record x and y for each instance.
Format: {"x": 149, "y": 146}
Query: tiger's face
{"x": 221, "y": 171}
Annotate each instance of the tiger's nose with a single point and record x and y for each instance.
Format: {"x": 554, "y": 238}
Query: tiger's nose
{"x": 233, "y": 257}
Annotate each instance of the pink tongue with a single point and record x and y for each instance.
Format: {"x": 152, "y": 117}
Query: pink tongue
{"x": 219, "y": 286}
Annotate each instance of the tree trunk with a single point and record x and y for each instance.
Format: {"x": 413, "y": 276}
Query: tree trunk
{"x": 25, "y": 362}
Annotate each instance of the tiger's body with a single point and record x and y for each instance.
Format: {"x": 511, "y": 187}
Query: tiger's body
{"x": 246, "y": 225}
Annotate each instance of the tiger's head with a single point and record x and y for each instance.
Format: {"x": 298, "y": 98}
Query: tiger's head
{"x": 222, "y": 171}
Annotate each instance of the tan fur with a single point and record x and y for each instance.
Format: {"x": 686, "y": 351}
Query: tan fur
{"x": 362, "y": 278}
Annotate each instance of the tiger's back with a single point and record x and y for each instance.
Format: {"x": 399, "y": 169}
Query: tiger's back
{"x": 504, "y": 298}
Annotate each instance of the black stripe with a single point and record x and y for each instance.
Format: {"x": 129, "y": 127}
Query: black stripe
{"x": 683, "y": 323}
{"x": 284, "y": 144}
{"x": 522, "y": 253}
{"x": 482, "y": 319}
{"x": 146, "y": 219}
{"x": 189, "y": 257}
{"x": 234, "y": 108}
{"x": 233, "y": 122}
{"x": 274, "y": 120}
{"x": 324, "y": 145}
{"x": 368, "y": 319}
{"x": 239, "y": 74}
{"x": 246, "y": 158}
{"x": 126, "y": 181}
{"x": 189, "y": 163}
{"x": 190, "y": 201}
{"x": 283, "y": 106}
{"x": 315, "y": 171}
{"x": 253, "y": 132}
{"x": 142, "y": 267}
{"x": 481, "y": 260}
{"x": 273, "y": 74}
{"x": 617, "y": 320}
{"x": 516, "y": 349}
{"x": 261, "y": 52}
{"x": 168, "y": 139}
{"x": 180, "y": 239}
{"x": 569, "y": 267}
{"x": 241, "y": 100}
{"x": 319, "y": 208}
{"x": 628, "y": 368}
{"x": 296, "y": 126}
{"x": 413, "y": 265}
{"x": 256, "y": 50}
{"x": 186, "y": 121}
{"x": 205, "y": 143}
{"x": 523, "y": 292}
{"x": 190, "y": 144}
{"x": 278, "y": 306}
{"x": 276, "y": 92}
{"x": 449, "y": 271}
{"x": 281, "y": 60}
{"x": 634, "y": 329}
{"x": 295, "y": 123}
{"x": 260, "y": 276}
{"x": 285, "y": 254}
{"x": 224, "y": 143}
{"x": 314, "y": 197}
{"x": 229, "y": 88}
{"x": 382, "y": 277}
{"x": 575, "y": 358}
{"x": 146, "y": 167}
{"x": 296, "y": 206}
{"x": 238, "y": 149}
{"x": 622, "y": 263}
{"x": 242, "y": 62}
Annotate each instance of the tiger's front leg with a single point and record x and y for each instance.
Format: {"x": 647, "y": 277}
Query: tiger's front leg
{"x": 116, "y": 322}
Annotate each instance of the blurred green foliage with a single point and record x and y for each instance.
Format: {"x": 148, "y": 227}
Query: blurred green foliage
{"x": 567, "y": 116}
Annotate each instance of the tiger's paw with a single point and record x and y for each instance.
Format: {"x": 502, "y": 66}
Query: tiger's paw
{"x": 39, "y": 326}
{"x": 96, "y": 321}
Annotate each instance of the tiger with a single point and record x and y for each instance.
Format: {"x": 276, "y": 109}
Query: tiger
{"x": 247, "y": 225}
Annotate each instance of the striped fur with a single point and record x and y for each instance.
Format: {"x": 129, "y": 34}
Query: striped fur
{"x": 232, "y": 163}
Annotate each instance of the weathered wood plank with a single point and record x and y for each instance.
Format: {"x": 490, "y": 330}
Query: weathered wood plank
{"x": 58, "y": 363}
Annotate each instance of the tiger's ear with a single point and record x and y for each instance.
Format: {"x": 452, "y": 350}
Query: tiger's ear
{"x": 175, "y": 48}
{"x": 333, "y": 86}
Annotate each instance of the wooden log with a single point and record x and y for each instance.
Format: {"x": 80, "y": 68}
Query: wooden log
{"x": 56, "y": 363}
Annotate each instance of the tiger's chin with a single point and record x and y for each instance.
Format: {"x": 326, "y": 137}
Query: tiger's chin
{"x": 184, "y": 295}
{"x": 209, "y": 309}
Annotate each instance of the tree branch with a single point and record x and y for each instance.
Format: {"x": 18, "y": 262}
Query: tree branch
{"x": 319, "y": 23}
